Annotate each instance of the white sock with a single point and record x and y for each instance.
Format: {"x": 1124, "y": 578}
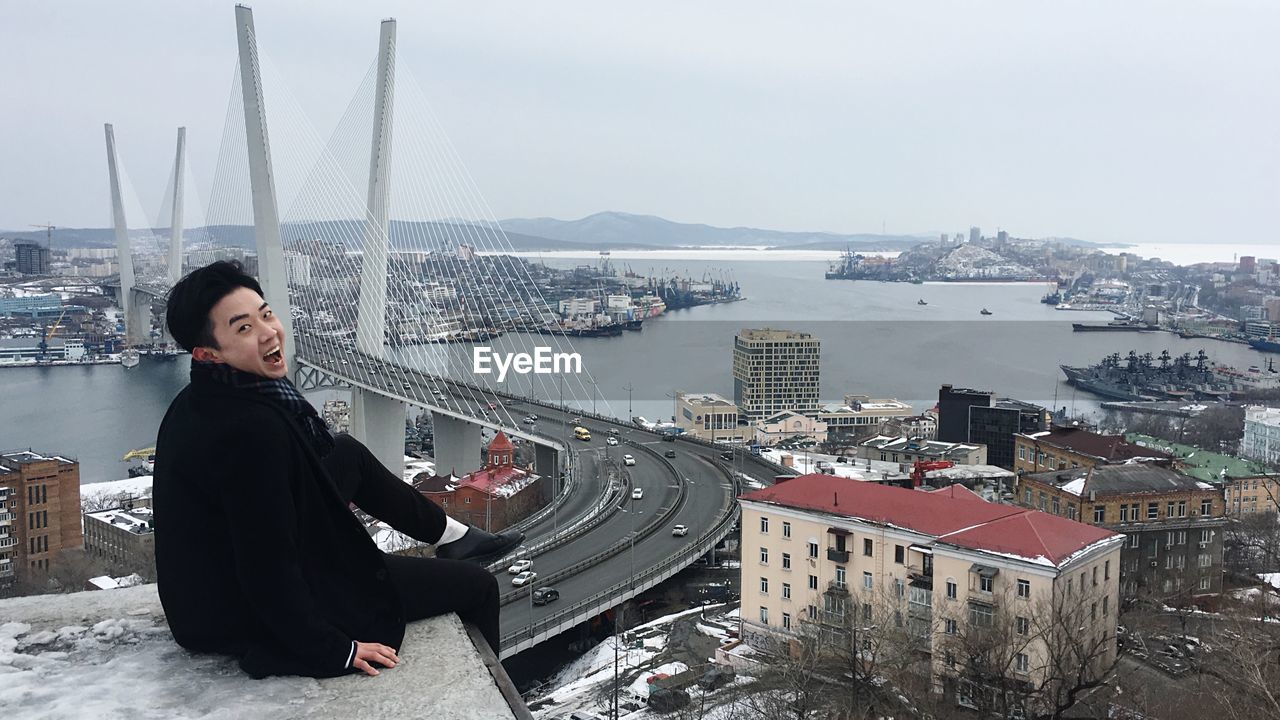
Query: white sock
{"x": 453, "y": 530}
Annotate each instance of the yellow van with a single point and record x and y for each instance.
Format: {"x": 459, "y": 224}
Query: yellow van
{"x": 581, "y": 433}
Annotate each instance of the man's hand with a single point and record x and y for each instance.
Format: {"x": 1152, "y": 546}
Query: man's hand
{"x": 373, "y": 652}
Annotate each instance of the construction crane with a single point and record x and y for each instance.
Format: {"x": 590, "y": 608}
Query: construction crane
{"x": 48, "y": 334}
{"x": 48, "y": 234}
{"x": 921, "y": 467}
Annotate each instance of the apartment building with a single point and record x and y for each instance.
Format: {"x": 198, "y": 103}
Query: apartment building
{"x": 861, "y": 415}
{"x": 1261, "y": 434}
{"x": 831, "y": 557}
{"x": 39, "y": 512}
{"x": 1062, "y": 448}
{"x": 775, "y": 370}
{"x": 1259, "y": 494}
{"x": 1173, "y": 525}
{"x": 123, "y": 538}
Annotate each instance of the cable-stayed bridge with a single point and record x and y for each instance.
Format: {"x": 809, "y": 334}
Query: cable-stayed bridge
{"x": 391, "y": 308}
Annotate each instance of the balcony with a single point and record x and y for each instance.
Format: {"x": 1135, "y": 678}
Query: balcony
{"x": 6, "y": 518}
{"x": 8, "y": 541}
{"x": 838, "y": 586}
{"x": 840, "y": 556}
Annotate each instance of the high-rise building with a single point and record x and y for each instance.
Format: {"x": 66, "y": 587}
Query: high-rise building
{"x": 1261, "y": 434}
{"x": 775, "y": 370}
{"x": 39, "y": 512}
{"x": 953, "y": 411}
{"x": 975, "y": 234}
{"x": 33, "y": 258}
{"x": 995, "y": 426}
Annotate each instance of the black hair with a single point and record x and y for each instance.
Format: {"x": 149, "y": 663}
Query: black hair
{"x": 191, "y": 299}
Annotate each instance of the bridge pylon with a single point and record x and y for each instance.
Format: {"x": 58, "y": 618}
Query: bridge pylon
{"x": 376, "y": 420}
{"x": 134, "y": 334}
{"x": 175, "y": 227}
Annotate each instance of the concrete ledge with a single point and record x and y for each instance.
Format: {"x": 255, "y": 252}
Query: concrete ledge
{"x": 109, "y": 653}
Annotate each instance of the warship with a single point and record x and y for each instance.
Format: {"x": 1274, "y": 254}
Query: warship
{"x": 1186, "y": 377}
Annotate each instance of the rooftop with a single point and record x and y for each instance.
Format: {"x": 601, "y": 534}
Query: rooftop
{"x": 136, "y": 520}
{"x": 898, "y": 443}
{"x": 1201, "y": 464}
{"x": 705, "y": 399}
{"x": 14, "y": 458}
{"x": 1127, "y": 479}
{"x": 1110, "y": 448}
{"x": 953, "y": 516}
{"x": 108, "y": 653}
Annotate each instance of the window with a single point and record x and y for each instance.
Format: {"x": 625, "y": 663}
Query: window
{"x": 1056, "y": 510}
{"x": 764, "y": 586}
{"x": 866, "y": 581}
{"x": 764, "y": 616}
{"x": 899, "y": 554}
{"x": 1205, "y": 560}
{"x": 813, "y": 612}
{"x": 1206, "y": 507}
{"x": 949, "y": 626}
{"x": 786, "y": 529}
{"x": 786, "y": 621}
{"x": 1124, "y": 512}
{"x": 786, "y": 591}
{"x": 813, "y": 582}
{"x": 1095, "y": 576}
{"x": 1024, "y": 589}
{"x": 1071, "y": 512}
{"x": 1205, "y": 582}
{"x": 1106, "y": 605}
{"x": 980, "y": 615}
{"x": 1153, "y": 511}
{"x": 951, "y": 589}
{"x": 1023, "y": 663}
{"x": 813, "y": 549}
{"x": 899, "y": 588}
{"x": 1023, "y": 625}
{"x": 786, "y": 561}
{"x": 986, "y": 583}
{"x": 764, "y": 526}
{"x": 1026, "y": 496}
{"x": 1093, "y": 611}
{"x": 1106, "y": 570}
{"x": 1182, "y": 508}
{"x": 866, "y": 612}
{"x": 1206, "y": 536}
{"x": 1068, "y": 587}
{"x": 1168, "y": 510}
{"x": 1043, "y": 501}
{"x": 1135, "y": 540}
{"x": 764, "y": 556}
{"x": 1099, "y": 513}
{"x": 866, "y": 546}
{"x": 840, "y": 578}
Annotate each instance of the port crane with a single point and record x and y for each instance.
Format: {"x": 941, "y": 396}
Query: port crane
{"x": 47, "y": 335}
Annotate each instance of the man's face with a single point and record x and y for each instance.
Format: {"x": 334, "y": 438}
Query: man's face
{"x": 249, "y": 336}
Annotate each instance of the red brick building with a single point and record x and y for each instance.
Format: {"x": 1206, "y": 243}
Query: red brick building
{"x": 494, "y": 497}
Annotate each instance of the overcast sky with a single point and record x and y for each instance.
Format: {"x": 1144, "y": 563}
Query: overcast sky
{"x": 1130, "y": 122}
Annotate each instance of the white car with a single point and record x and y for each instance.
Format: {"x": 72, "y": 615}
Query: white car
{"x": 637, "y": 493}
{"x": 628, "y": 460}
{"x": 679, "y": 531}
{"x": 520, "y": 566}
{"x": 611, "y": 440}
{"x": 524, "y": 578}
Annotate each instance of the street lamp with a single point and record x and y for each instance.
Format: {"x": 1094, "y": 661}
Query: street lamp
{"x": 593, "y": 396}
{"x": 628, "y": 388}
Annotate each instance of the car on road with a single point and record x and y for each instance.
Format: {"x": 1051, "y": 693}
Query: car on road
{"x": 529, "y": 421}
{"x": 544, "y": 595}
{"x": 726, "y": 455}
{"x": 628, "y": 460}
{"x": 679, "y": 531}
{"x": 611, "y": 440}
{"x": 637, "y": 493}
{"x": 524, "y": 578}
{"x": 669, "y": 453}
{"x": 613, "y": 431}
{"x": 668, "y": 437}
{"x": 493, "y": 406}
{"x": 519, "y": 566}
{"x": 576, "y": 421}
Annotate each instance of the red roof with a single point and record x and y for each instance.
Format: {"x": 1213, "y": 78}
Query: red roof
{"x": 500, "y": 442}
{"x": 956, "y": 517}
{"x": 490, "y": 480}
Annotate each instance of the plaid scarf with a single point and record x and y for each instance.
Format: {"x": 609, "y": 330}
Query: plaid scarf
{"x": 280, "y": 391}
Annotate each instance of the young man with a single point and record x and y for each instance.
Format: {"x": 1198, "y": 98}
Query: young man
{"x": 258, "y": 554}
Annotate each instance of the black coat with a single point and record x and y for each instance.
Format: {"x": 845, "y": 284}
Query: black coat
{"x": 257, "y": 555}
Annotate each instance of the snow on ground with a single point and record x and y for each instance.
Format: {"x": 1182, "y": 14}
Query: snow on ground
{"x": 1272, "y": 579}
{"x": 131, "y": 487}
{"x": 640, "y": 686}
{"x": 856, "y": 469}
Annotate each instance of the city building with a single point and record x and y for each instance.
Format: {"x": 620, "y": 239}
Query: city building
{"x": 123, "y": 538}
{"x": 788, "y": 426}
{"x": 39, "y": 513}
{"x": 494, "y": 497}
{"x": 953, "y": 411}
{"x": 907, "y": 450}
{"x": 33, "y": 306}
{"x": 995, "y": 425}
{"x": 775, "y": 370}
{"x": 32, "y": 257}
{"x": 930, "y": 575}
{"x": 298, "y": 269}
{"x": 710, "y": 417}
{"x": 860, "y": 416}
{"x": 1062, "y": 448}
{"x": 28, "y": 349}
{"x": 1261, "y": 434}
{"x": 337, "y": 415}
{"x": 1173, "y": 524}
{"x": 924, "y": 427}
{"x": 1245, "y": 495}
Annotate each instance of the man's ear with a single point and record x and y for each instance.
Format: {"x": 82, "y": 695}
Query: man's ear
{"x": 204, "y": 354}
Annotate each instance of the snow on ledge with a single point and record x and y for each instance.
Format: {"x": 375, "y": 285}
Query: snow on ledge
{"x": 109, "y": 653}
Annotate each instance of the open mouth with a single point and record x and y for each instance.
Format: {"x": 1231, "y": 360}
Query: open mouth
{"x": 275, "y": 357}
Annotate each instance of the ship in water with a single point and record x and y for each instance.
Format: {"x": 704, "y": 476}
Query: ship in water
{"x": 1186, "y": 377}
{"x": 1266, "y": 344}
{"x": 1124, "y": 324}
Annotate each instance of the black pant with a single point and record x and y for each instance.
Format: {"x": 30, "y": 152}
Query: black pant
{"x": 427, "y": 586}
